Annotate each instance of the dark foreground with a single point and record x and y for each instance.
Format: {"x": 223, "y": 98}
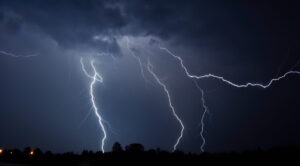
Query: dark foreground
{"x": 135, "y": 155}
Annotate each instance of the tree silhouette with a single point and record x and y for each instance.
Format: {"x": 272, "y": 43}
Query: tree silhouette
{"x": 27, "y": 150}
{"x": 135, "y": 148}
{"x": 117, "y": 147}
{"x": 38, "y": 152}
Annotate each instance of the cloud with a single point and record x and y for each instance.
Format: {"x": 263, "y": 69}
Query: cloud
{"x": 218, "y": 27}
{"x": 71, "y": 24}
{"x": 19, "y": 37}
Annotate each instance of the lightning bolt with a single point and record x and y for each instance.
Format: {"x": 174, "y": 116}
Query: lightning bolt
{"x": 149, "y": 67}
{"x": 202, "y": 116}
{"x": 17, "y": 56}
{"x": 96, "y": 77}
{"x": 236, "y": 85}
{"x": 248, "y": 84}
{"x": 139, "y": 61}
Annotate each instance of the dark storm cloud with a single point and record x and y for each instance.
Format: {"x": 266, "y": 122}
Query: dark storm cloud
{"x": 73, "y": 22}
{"x": 194, "y": 19}
{"x": 244, "y": 28}
{"x": 21, "y": 38}
{"x": 10, "y": 22}
{"x": 163, "y": 18}
{"x": 69, "y": 23}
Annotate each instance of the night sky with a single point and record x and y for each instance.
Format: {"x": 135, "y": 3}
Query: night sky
{"x": 45, "y": 96}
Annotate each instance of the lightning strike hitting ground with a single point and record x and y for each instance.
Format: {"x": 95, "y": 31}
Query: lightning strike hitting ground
{"x": 202, "y": 116}
{"x": 17, "y": 56}
{"x": 249, "y": 84}
{"x": 96, "y": 77}
{"x": 139, "y": 61}
{"x": 149, "y": 67}
{"x": 227, "y": 81}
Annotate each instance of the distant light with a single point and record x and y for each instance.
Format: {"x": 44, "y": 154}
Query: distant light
{"x": 31, "y": 153}
{"x": 1, "y": 151}
{"x": 11, "y": 153}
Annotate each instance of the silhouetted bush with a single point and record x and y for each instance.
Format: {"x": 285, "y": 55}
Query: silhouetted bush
{"x": 117, "y": 148}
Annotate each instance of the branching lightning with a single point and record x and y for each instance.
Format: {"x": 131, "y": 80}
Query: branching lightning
{"x": 139, "y": 61}
{"x": 149, "y": 67}
{"x": 202, "y": 116}
{"x": 227, "y": 81}
{"x": 96, "y": 77}
{"x": 198, "y": 77}
{"x": 17, "y": 56}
